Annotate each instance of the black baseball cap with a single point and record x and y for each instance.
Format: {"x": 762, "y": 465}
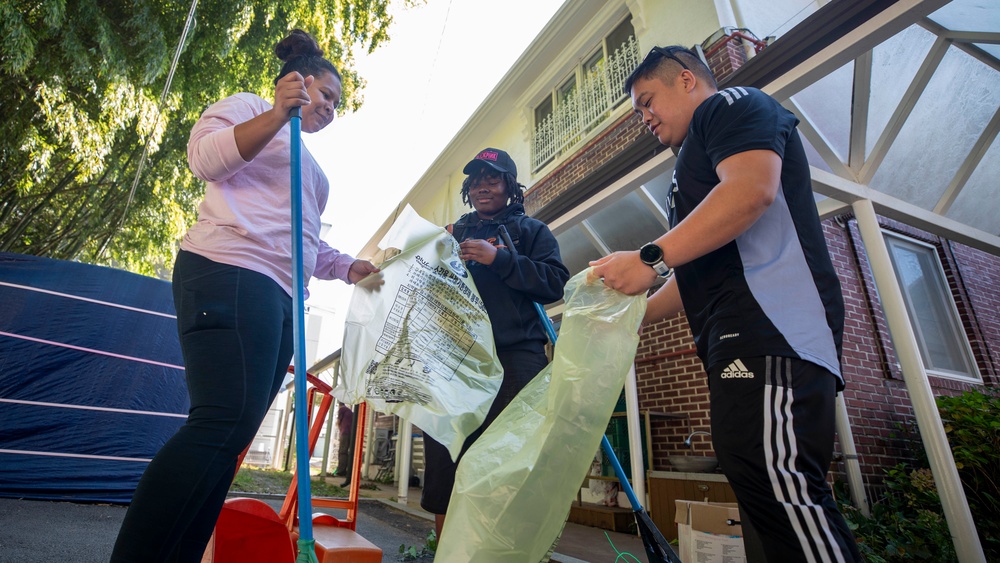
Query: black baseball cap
{"x": 494, "y": 158}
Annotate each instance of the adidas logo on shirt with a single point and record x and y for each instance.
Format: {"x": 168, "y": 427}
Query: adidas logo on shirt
{"x": 736, "y": 370}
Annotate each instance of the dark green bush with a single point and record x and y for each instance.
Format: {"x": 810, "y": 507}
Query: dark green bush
{"x": 906, "y": 522}
{"x": 972, "y": 422}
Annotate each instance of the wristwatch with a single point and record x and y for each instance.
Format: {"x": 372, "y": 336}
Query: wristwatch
{"x": 652, "y": 256}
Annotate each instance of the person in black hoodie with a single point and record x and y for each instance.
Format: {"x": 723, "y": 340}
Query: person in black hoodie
{"x": 509, "y": 280}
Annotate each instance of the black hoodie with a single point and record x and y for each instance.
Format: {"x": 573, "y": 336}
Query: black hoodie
{"x": 514, "y": 280}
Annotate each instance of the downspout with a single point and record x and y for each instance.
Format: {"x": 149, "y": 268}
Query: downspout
{"x": 968, "y": 548}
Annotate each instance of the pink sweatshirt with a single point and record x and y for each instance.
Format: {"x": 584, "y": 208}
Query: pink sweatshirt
{"x": 245, "y": 218}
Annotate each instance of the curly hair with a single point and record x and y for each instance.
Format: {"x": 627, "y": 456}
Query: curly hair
{"x": 301, "y": 53}
{"x": 515, "y": 190}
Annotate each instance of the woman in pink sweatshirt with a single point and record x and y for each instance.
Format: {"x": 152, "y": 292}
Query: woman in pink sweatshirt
{"x": 232, "y": 287}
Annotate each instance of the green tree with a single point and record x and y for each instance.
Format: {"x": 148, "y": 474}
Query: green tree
{"x": 80, "y": 92}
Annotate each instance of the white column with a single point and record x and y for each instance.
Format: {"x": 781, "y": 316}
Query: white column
{"x": 284, "y": 435}
{"x": 949, "y": 486}
{"x": 328, "y": 442}
{"x": 369, "y": 443}
{"x": 635, "y": 438}
{"x": 405, "y": 440}
{"x": 727, "y": 16}
{"x": 850, "y": 452}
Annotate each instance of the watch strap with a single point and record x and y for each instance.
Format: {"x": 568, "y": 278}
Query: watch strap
{"x": 661, "y": 269}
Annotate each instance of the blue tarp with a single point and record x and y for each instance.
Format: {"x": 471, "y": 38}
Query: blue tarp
{"x": 91, "y": 378}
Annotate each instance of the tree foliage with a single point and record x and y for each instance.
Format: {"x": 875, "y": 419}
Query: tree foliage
{"x": 81, "y": 97}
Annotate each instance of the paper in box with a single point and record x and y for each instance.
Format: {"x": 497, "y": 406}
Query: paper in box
{"x": 709, "y": 532}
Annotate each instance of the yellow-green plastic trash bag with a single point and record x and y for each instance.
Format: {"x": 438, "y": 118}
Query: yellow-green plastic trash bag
{"x": 418, "y": 342}
{"x": 514, "y": 487}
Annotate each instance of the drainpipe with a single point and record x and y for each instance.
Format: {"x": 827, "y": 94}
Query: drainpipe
{"x": 956, "y": 508}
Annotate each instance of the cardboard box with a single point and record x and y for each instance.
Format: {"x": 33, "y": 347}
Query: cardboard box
{"x": 709, "y": 532}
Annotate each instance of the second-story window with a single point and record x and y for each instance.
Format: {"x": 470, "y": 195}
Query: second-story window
{"x": 543, "y": 110}
{"x": 585, "y": 97}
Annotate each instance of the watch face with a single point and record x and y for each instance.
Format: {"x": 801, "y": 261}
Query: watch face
{"x": 650, "y": 253}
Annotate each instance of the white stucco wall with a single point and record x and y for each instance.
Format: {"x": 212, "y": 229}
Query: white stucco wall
{"x": 673, "y": 22}
{"x": 774, "y": 17}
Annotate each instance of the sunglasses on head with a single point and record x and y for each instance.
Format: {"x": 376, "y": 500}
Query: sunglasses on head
{"x": 668, "y": 53}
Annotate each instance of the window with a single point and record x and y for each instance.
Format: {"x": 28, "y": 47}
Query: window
{"x": 944, "y": 347}
{"x": 567, "y": 90}
{"x": 585, "y": 97}
{"x": 619, "y": 37}
{"x": 543, "y": 110}
{"x": 594, "y": 64}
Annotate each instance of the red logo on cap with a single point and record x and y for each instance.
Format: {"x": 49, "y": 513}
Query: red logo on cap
{"x": 488, "y": 155}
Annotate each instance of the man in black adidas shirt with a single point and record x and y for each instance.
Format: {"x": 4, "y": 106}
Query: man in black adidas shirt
{"x": 755, "y": 279}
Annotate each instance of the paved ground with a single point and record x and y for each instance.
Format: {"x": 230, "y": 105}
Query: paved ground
{"x": 44, "y": 532}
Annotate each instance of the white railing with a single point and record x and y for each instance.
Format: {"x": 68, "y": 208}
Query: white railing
{"x": 599, "y": 92}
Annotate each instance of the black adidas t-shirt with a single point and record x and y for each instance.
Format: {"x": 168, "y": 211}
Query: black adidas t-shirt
{"x": 773, "y": 290}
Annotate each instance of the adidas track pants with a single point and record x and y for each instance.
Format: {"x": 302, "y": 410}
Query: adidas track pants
{"x": 772, "y": 428}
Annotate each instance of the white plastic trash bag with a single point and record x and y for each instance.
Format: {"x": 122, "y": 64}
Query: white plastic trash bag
{"x": 514, "y": 486}
{"x": 418, "y": 342}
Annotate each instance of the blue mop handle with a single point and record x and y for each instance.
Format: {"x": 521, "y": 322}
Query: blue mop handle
{"x": 551, "y": 332}
{"x": 299, "y": 332}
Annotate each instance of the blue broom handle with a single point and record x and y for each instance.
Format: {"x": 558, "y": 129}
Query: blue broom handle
{"x": 551, "y": 332}
{"x": 299, "y": 332}
{"x": 546, "y": 323}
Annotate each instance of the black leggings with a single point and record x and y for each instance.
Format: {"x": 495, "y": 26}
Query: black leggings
{"x": 235, "y": 328}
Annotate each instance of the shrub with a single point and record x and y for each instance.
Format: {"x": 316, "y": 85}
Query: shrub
{"x": 972, "y": 422}
{"x": 906, "y": 523}
{"x": 425, "y": 552}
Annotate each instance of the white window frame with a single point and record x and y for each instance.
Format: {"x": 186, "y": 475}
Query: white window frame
{"x": 948, "y": 306}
